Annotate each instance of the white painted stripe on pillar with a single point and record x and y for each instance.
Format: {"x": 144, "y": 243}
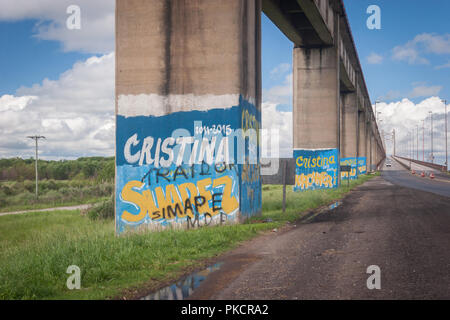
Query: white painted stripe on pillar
{"x": 157, "y": 105}
{"x": 317, "y": 149}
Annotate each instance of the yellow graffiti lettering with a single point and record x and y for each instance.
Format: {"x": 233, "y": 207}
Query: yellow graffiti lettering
{"x": 317, "y": 179}
{"x": 128, "y": 194}
{"x": 184, "y": 188}
{"x": 169, "y": 199}
{"x": 179, "y": 200}
{"x": 314, "y": 162}
{"x": 229, "y": 203}
{"x": 202, "y": 184}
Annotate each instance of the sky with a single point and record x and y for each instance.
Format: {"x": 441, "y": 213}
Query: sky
{"x": 59, "y": 82}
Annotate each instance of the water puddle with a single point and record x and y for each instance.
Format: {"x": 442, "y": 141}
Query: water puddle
{"x": 331, "y": 207}
{"x": 184, "y": 287}
{"x": 327, "y": 209}
{"x": 334, "y": 205}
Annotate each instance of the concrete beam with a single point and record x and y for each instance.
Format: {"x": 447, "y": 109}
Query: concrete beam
{"x": 282, "y": 20}
{"x": 321, "y": 17}
{"x": 303, "y": 22}
{"x": 346, "y": 83}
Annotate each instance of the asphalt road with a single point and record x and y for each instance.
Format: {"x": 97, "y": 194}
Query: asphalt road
{"x": 404, "y": 231}
{"x": 399, "y": 176}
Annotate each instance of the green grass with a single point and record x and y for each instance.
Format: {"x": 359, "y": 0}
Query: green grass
{"x": 34, "y": 261}
{"x": 19, "y": 195}
{"x": 37, "y": 248}
{"x": 301, "y": 202}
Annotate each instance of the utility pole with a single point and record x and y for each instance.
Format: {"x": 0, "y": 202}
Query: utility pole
{"x": 376, "y": 114}
{"x": 423, "y": 140}
{"x": 431, "y": 116}
{"x": 36, "y": 138}
{"x": 446, "y": 144}
{"x": 417, "y": 149}
{"x": 393, "y": 137}
{"x": 410, "y": 147}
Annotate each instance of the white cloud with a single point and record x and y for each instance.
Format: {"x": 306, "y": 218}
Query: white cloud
{"x": 97, "y": 22}
{"x": 374, "y": 58}
{"x": 404, "y": 116}
{"x": 437, "y": 44}
{"x": 280, "y": 94}
{"x": 424, "y": 91}
{"x": 413, "y": 50}
{"x": 12, "y": 103}
{"x": 409, "y": 53}
{"x": 272, "y": 118}
{"x": 420, "y": 89}
{"x": 74, "y": 112}
{"x": 280, "y": 70}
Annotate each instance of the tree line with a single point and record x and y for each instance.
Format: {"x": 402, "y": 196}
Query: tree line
{"x": 18, "y": 169}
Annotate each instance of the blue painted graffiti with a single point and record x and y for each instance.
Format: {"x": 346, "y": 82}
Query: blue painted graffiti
{"x": 316, "y": 169}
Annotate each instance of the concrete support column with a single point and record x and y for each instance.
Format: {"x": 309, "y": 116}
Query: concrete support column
{"x": 369, "y": 145}
{"x": 316, "y": 116}
{"x": 373, "y": 152}
{"x": 185, "y": 66}
{"x": 316, "y": 94}
{"x": 349, "y": 129}
{"x": 377, "y": 154}
{"x": 362, "y": 135}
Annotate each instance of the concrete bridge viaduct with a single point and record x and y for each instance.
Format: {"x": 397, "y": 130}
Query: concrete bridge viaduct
{"x": 176, "y": 57}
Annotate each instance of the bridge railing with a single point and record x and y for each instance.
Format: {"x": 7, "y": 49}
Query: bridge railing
{"x": 327, "y": 13}
{"x": 427, "y": 164}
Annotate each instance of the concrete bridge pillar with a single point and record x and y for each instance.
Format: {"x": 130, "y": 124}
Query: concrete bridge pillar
{"x": 316, "y": 95}
{"x": 349, "y": 129}
{"x": 184, "y": 68}
{"x": 362, "y": 136}
{"x": 373, "y": 154}
{"x": 369, "y": 145}
{"x": 379, "y": 155}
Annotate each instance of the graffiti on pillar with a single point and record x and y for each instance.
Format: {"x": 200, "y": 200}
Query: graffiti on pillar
{"x": 251, "y": 193}
{"x": 362, "y": 166}
{"x": 352, "y": 174}
{"x": 316, "y": 169}
{"x": 181, "y": 170}
{"x": 358, "y": 167}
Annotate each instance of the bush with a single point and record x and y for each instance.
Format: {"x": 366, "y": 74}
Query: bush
{"x": 29, "y": 185}
{"x": 25, "y": 198}
{"x": 7, "y": 190}
{"x": 51, "y": 196}
{"x": 102, "y": 210}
